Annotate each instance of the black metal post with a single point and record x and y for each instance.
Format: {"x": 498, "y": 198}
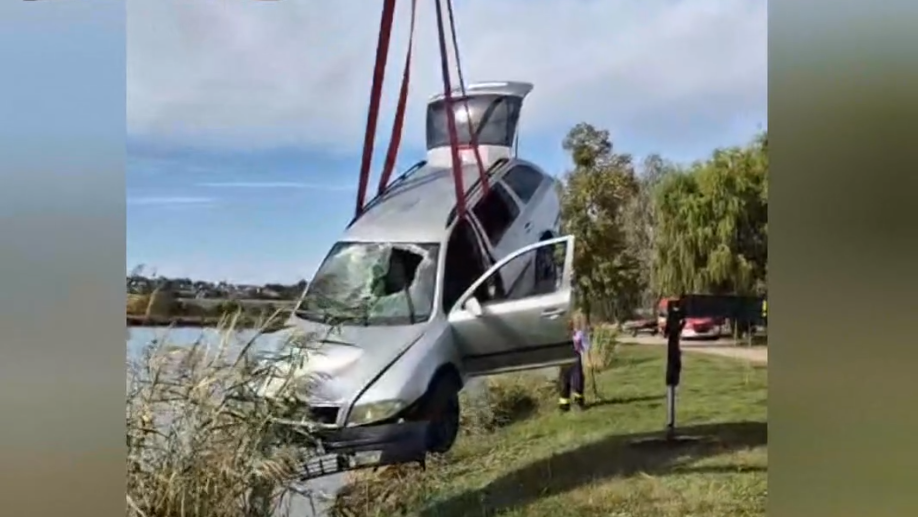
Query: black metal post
{"x": 675, "y": 321}
{"x": 671, "y": 411}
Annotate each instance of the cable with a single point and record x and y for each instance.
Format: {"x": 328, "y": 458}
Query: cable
{"x": 473, "y": 131}
{"x": 398, "y": 123}
{"x": 450, "y": 116}
{"x": 379, "y": 73}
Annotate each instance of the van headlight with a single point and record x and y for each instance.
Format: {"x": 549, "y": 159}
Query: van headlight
{"x": 372, "y": 412}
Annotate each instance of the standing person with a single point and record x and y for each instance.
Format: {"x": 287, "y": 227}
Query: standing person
{"x": 572, "y": 375}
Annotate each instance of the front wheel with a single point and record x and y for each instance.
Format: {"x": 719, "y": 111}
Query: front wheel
{"x": 441, "y": 409}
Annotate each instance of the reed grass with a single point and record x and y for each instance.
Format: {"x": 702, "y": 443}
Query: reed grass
{"x": 604, "y": 347}
{"x": 200, "y": 442}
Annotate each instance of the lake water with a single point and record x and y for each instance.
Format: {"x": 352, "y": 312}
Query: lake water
{"x": 140, "y": 337}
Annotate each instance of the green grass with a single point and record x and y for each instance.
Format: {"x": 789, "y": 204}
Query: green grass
{"x": 593, "y": 463}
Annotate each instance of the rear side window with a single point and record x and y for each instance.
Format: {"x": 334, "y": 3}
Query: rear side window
{"x": 496, "y": 212}
{"x": 524, "y": 181}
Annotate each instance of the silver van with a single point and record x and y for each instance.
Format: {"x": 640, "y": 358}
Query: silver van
{"x": 413, "y": 300}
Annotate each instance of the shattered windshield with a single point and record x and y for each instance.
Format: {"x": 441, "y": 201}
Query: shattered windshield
{"x": 365, "y": 283}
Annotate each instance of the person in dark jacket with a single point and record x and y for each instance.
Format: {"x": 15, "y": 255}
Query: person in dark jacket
{"x": 572, "y": 375}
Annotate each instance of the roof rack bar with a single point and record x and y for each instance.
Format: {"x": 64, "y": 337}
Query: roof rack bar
{"x": 378, "y": 197}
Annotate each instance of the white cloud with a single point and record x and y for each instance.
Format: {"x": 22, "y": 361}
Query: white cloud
{"x": 170, "y": 200}
{"x": 276, "y": 185}
{"x": 263, "y": 74}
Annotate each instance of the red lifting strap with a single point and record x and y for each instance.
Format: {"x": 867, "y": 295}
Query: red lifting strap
{"x": 473, "y": 132}
{"x": 450, "y": 116}
{"x": 379, "y": 72}
{"x": 398, "y": 123}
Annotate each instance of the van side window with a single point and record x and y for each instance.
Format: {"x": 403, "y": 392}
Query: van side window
{"x": 524, "y": 181}
{"x": 464, "y": 265}
{"x": 496, "y": 212}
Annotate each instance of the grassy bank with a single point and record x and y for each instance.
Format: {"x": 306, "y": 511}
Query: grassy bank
{"x": 591, "y": 463}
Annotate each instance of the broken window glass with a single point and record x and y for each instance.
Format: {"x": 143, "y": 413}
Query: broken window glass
{"x": 374, "y": 284}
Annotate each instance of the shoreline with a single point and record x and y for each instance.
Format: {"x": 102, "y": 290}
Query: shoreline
{"x": 193, "y": 322}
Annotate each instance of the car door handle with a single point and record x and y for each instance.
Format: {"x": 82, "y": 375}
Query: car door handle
{"x": 552, "y": 314}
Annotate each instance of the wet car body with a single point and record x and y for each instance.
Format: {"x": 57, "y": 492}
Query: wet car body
{"x": 432, "y": 298}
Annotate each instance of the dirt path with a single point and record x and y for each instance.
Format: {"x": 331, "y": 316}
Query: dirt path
{"x": 757, "y": 354}
{"x": 722, "y": 347}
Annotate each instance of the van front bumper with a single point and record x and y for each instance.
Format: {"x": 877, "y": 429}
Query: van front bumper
{"x": 361, "y": 447}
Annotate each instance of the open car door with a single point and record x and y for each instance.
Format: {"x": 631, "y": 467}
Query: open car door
{"x": 526, "y": 328}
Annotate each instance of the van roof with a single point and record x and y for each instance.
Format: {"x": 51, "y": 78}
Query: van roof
{"x": 413, "y": 209}
{"x": 511, "y": 88}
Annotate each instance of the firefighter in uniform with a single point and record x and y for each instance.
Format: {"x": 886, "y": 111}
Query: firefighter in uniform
{"x": 572, "y": 379}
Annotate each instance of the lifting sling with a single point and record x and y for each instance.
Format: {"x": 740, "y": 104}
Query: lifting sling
{"x": 396, "y": 138}
{"x": 379, "y": 73}
{"x": 473, "y": 132}
{"x": 382, "y": 50}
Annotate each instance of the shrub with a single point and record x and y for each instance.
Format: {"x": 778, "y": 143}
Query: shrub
{"x": 604, "y": 340}
{"x": 156, "y": 304}
{"x": 137, "y": 304}
{"x": 229, "y": 307}
{"x": 504, "y": 400}
{"x": 190, "y": 308}
{"x": 199, "y": 442}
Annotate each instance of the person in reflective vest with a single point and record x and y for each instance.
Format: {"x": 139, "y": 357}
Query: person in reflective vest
{"x": 572, "y": 375}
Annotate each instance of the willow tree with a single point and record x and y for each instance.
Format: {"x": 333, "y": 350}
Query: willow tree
{"x": 641, "y": 223}
{"x": 595, "y": 196}
{"x": 711, "y": 234}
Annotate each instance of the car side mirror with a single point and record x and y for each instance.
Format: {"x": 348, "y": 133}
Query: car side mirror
{"x": 473, "y": 306}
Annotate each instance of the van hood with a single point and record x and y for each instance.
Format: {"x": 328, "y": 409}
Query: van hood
{"x": 340, "y": 361}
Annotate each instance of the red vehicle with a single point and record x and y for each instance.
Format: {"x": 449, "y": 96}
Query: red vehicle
{"x": 694, "y": 326}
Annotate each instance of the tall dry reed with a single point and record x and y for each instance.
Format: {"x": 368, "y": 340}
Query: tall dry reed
{"x": 200, "y": 443}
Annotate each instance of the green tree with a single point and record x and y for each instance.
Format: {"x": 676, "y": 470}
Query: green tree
{"x": 595, "y": 197}
{"x": 641, "y": 223}
{"x": 711, "y": 228}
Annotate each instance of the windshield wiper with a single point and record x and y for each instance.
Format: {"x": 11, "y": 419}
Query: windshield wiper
{"x": 330, "y": 310}
{"x": 310, "y": 314}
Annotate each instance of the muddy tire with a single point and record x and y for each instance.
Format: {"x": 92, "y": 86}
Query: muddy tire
{"x": 441, "y": 409}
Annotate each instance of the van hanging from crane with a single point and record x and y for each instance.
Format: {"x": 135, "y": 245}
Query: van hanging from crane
{"x": 415, "y": 299}
{"x": 455, "y": 269}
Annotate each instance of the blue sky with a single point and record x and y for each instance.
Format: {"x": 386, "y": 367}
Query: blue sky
{"x": 245, "y": 118}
